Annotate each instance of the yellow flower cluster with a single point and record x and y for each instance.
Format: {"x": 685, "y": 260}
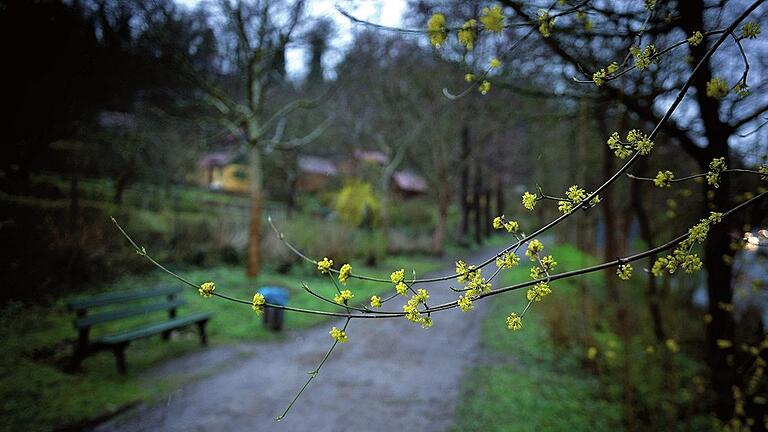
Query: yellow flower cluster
{"x": 436, "y": 29}
{"x": 507, "y": 260}
{"x": 492, "y": 19}
{"x": 538, "y": 292}
{"x": 640, "y": 141}
{"x": 529, "y": 200}
{"x": 206, "y": 289}
{"x": 514, "y": 322}
{"x": 696, "y": 38}
{"x": 717, "y": 88}
{"x": 664, "y": 179}
{"x": 397, "y": 276}
{"x": 344, "y": 273}
{"x": 716, "y": 167}
{"x": 495, "y": 63}
{"x": 338, "y": 335}
{"x": 681, "y": 256}
{"x": 624, "y": 271}
{"x": 643, "y": 57}
{"x": 751, "y": 30}
{"x": 601, "y": 75}
{"x": 467, "y": 34}
{"x": 469, "y": 77}
{"x": 257, "y": 304}
{"x": 534, "y": 247}
{"x": 763, "y": 169}
{"x": 575, "y": 194}
{"x": 546, "y": 23}
{"x": 325, "y": 265}
{"x": 412, "y": 312}
{"x": 476, "y": 284}
{"x": 465, "y": 303}
{"x": 463, "y": 271}
{"x": 375, "y": 301}
{"x": 343, "y": 297}
{"x": 500, "y": 222}
{"x": 401, "y": 288}
{"x": 636, "y": 140}
{"x": 484, "y": 87}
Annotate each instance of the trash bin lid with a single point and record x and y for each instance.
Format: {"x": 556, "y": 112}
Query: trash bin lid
{"x": 275, "y": 295}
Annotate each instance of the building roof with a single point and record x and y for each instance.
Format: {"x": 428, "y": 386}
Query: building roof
{"x": 317, "y": 165}
{"x": 410, "y": 181}
{"x": 215, "y": 159}
{"x": 371, "y": 156}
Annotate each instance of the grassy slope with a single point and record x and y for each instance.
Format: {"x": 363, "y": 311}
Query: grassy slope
{"x": 36, "y": 343}
{"x": 523, "y": 384}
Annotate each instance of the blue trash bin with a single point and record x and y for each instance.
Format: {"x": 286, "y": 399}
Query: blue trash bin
{"x": 273, "y": 317}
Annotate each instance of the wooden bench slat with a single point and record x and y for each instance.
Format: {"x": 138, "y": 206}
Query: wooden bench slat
{"x": 153, "y": 329}
{"x": 109, "y": 298}
{"x": 102, "y": 317}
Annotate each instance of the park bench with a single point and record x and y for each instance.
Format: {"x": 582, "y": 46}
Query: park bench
{"x": 123, "y": 306}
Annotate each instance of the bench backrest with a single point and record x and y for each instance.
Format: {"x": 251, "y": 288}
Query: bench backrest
{"x": 82, "y": 305}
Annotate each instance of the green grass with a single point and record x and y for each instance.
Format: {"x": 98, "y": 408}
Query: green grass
{"x": 523, "y": 382}
{"x": 36, "y": 343}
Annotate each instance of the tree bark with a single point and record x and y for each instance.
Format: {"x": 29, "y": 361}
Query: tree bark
{"x": 464, "y": 185}
{"x": 254, "y": 243}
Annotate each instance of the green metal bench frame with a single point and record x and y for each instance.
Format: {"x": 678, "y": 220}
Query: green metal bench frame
{"x": 119, "y": 341}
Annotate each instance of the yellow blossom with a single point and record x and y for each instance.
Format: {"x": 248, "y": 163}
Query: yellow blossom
{"x": 592, "y": 353}
{"x": 529, "y": 200}
{"x": 206, "y": 289}
{"x": 436, "y": 29}
{"x": 514, "y": 322}
{"x": 338, "y": 335}
{"x": 343, "y": 297}
{"x": 257, "y": 304}
{"x": 672, "y": 345}
{"x": 344, "y": 273}
{"x": 624, "y": 271}
{"x": 492, "y": 19}
{"x": 375, "y": 301}
{"x": 664, "y": 179}
{"x": 397, "y": 276}
{"x": 495, "y": 63}
{"x": 469, "y": 77}
{"x": 534, "y": 247}
{"x": 498, "y": 223}
{"x": 401, "y": 288}
{"x": 717, "y": 88}
{"x": 696, "y": 38}
{"x": 465, "y": 303}
{"x": 468, "y": 33}
{"x": 324, "y": 266}
{"x": 484, "y": 87}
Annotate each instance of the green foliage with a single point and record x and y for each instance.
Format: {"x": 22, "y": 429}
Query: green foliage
{"x": 357, "y": 204}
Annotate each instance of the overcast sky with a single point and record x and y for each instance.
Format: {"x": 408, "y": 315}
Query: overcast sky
{"x": 387, "y": 12}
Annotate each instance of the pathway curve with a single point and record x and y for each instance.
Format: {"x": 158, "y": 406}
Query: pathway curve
{"x": 391, "y": 376}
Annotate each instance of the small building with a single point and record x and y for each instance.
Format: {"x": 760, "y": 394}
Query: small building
{"x": 408, "y": 184}
{"x": 224, "y": 171}
{"x": 315, "y": 173}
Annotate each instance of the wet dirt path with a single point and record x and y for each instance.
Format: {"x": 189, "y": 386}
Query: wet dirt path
{"x": 391, "y": 376}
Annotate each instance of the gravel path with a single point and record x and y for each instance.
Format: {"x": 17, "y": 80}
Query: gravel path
{"x": 391, "y": 376}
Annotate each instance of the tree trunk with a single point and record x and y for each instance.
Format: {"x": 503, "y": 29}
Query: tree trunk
{"x": 477, "y": 194}
{"x": 464, "y": 186}
{"x": 438, "y": 239}
{"x": 74, "y": 204}
{"x": 120, "y": 184}
{"x": 720, "y": 293}
{"x": 254, "y": 242}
